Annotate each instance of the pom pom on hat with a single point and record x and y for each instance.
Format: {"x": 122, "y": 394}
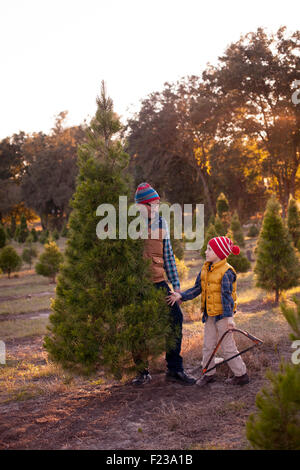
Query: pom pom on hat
{"x": 235, "y": 250}
{"x": 223, "y": 246}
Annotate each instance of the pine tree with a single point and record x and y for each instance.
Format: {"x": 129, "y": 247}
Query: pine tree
{"x": 276, "y": 424}
{"x": 106, "y": 305}
{"x": 222, "y": 205}
{"x": 237, "y": 231}
{"x": 55, "y": 234}
{"x": 13, "y": 227}
{"x": 34, "y": 235}
{"x": 277, "y": 266}
{"x": 23, "y": 230}
{"x": 49, "y": 261}
{"x": 28, "y": 254}
{"x": 294, "y": 221}
{"x": 223, "y": 213}
{"x": 9, "y": 260}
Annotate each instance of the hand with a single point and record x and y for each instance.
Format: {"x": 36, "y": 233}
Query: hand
{"x": 173, "y": 297}
{"x": 178, "y": 301}
{"x": 230, "y": 323}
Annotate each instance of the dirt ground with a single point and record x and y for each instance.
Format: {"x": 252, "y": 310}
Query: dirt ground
{"x": 118, "y": 416}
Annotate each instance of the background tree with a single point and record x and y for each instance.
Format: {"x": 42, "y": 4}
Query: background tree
{"x": 254, "y": 82}
{"x": 277, "y": 266}
{"x": 105, "y": 305}
{"x": 49, "y": 261}
{"x": 23, "y": 231}
{"x": 237, "y": 230}
{"x": 28, "y": 254}
{"x": 10, "y": 261}
{"x": 50, "y": 172}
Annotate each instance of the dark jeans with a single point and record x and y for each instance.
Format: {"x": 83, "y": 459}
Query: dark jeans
{"x": 173, "y": 358}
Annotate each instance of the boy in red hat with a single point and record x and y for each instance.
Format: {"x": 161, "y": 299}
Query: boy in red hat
{"x": 216, "y": 282}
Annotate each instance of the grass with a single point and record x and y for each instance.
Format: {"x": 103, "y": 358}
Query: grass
{"x": 20, "y": 328}
{"x": 21, "y": 289}
{"x": 19, "y": 306}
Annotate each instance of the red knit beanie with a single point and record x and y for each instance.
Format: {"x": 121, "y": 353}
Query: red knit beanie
{"x": 223, "y": 246}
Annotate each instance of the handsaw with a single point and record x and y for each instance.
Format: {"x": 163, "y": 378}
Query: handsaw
{"x": 256, "y": 341}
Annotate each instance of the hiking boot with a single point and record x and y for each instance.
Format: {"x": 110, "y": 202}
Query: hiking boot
{"x": 205, "y": 380}
{"x": 180, "y": 377}
{"x": 241, "y": 380}
{"x": 142, "y": 378}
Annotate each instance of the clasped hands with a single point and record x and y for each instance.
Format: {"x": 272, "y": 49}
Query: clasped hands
{"x": 174, "y": 297}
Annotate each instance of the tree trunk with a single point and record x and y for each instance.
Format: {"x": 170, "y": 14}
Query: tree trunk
{"x": 206, "y": 192}
{"x": 277, "y": 296}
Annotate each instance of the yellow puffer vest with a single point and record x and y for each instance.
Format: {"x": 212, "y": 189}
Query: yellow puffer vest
{"x": 211, "y": 287}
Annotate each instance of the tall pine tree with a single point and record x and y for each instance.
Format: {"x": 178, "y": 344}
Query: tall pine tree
{"x": 105, "y": 305}
{"x": 277, "y": 266}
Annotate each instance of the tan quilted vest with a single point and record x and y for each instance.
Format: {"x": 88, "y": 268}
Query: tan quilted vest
{"x": 153, "y": 250}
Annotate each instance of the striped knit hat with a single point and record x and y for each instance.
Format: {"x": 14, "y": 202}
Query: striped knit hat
{"x": 145, "y": 193}
{"x": 223, "y": 246}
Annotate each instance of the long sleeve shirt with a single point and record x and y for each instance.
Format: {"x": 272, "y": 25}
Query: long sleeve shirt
{"x": 226, "y": 294}
{"x": 168, "y": 255}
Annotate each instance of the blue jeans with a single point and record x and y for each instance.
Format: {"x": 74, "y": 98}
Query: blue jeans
{"x": 173, "y": 358}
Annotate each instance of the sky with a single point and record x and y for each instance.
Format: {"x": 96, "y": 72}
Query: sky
{"x": 54, "y": 53}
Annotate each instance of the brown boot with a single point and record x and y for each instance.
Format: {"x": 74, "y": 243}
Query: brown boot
{"x": 241, "y": 380}
{"x": 205, "y": 380}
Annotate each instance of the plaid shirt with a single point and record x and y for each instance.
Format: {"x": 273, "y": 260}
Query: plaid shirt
{"x": 168, "y": 255}
{"x": 226, "y": 294}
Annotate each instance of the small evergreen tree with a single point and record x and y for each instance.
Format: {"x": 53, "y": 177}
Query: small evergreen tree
{"x": 2, "y": 236}
{"x": 55, "y": 234}
{"x": 223, "y": 213}
{"x": 222, "y": 205}
{"x": 34, "y": 235}
{"x": 276, "y": 425}
{"x": 106, "y": 306}
{"x": 13, "y": 227}
{"x": 23, "y": 230}
{"x": 44, "y": 237}
{"x": 237, "y": 231}
{"x": 28, "y": 254}
{"x": 253, "y": 231}
{"x": 9, "y": 260}
{"x": 49, "y": 261}
{"x": 293, "y": 221}
{"x": 277, "y": 266}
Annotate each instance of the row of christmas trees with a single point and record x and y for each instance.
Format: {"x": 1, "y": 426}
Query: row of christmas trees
{"x": 21, "y": 233}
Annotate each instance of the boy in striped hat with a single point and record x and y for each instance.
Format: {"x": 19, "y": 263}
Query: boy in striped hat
{"x": 159, "y": 251}
{"x": 216, "y": 282}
